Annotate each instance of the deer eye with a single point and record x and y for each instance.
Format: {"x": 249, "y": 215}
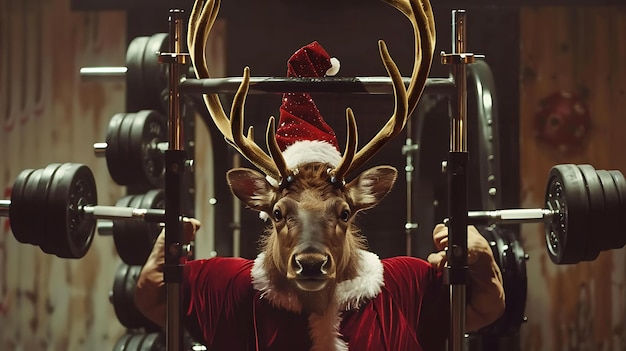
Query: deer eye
{"x": 278, "y": 216}
{"x": 345, "y": 215}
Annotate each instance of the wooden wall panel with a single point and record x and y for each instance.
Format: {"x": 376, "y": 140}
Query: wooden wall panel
{"x": 579, "y": 50}
{"x": 48, "y": 115}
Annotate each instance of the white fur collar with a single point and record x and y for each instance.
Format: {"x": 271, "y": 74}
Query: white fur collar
{"x": 350, "y": 294}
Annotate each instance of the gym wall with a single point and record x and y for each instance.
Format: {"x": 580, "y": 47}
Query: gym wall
{"x": 50, "y": 115}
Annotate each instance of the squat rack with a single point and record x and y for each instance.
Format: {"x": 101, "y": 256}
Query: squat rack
{"x": 175, "y": 156}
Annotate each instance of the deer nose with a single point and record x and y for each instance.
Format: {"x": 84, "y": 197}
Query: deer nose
{"x": 310, "y": 265}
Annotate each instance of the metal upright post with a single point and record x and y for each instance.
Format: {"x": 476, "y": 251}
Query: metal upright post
{"x": 175, "y": 158}
{"x": 457, "y": 185}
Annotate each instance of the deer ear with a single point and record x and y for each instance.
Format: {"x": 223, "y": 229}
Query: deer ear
{"x": 370, "y": 187}
{"x": 251, "y": 187}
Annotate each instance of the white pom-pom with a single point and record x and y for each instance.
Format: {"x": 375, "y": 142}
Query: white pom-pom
{"x": 334, "y": 67}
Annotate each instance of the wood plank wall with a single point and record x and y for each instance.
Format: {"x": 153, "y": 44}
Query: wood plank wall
{"x": 578, "y": 50}
{"x": 48, "y": 115}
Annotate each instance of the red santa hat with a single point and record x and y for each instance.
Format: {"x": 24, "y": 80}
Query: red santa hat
{"x": 302, "y": 134}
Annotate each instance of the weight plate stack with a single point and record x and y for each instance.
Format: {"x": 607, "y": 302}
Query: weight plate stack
{"x": 132, "y": 154}
{"x": 46, "y": 209}
{"x": 146, "y": 78}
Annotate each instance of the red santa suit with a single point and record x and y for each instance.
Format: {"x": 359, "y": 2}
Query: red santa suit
{"x": 393, "y": 304}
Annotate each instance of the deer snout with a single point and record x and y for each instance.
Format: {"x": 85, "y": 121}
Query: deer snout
{"x": 311, "y": 265}
{"x": 311, "y": 270}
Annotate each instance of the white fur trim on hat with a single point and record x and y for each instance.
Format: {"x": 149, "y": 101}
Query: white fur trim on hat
{"x": 334, "y": 67}
{"x": 306, "y": 151}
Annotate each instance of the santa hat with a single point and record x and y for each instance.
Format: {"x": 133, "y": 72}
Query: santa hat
{"x": 302, "y": 134}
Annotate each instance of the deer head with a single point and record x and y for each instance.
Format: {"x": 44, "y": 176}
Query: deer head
{"x": 312, "y": 243}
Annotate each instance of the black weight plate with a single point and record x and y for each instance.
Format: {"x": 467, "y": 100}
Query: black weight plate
{"x": 511, "y": 260}
{"x": 34, "y": 229}
{"x": 567, "y": 193}
{"x": 72, "y": 186}
{"x": 135, "y": 89}
{"x": 120, "y": 344}
{"x": 134, "y": 344}
{"x": 595, "y": 196}
{"x": 620, "y": 185}
{"x": 519, "y": 282}
{"x": 123, "y": 299}
{"x": 122, "y": 226}
{"x": 131, "y": 286}
{"x": 155, "y": 74}
{"x": 20, "y": 211}
{"x": 153, "y": 342}
{"x": 134, "y": 239}
{"x": 118, "y": 294}
{"x": 609, "y": 224}
{"x": 40, "y": 201}
{"x": 149, "y": 127}
{"x": 133, "y": 170}
{"x": 116, "y": 160}
{"x": 153, "y": 199}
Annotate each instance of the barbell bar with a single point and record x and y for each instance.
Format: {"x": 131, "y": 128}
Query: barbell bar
{"x": 582, "y": 217}
{"x": 56, "y": 209}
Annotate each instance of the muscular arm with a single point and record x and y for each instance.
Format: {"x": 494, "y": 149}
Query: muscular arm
{"x": 150, "y": 296}
{"x": 485, "y": 294}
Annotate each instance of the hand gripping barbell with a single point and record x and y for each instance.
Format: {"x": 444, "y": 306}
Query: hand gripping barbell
{"x": 582, "y": 216}
{"x": 55, "y": 208}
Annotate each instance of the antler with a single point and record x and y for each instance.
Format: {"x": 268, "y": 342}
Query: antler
{"x": 201, "y": 20}
{"x": 420, "y": 14}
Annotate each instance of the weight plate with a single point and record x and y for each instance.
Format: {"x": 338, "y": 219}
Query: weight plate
{"x": 135, "y": 89}
{"x": 609, "y": 225}
{"x": 132, "y": 170}
{"x": 122, "y": 240}
{"x": 620, "y": 185}
{"x": 20, "y": 213}
{"x": 131, "y": 286}
{"x": 155, "y": 74}
{"x": 511, "y": 259}
{"x": 40, "y": 201}
{"x": 134, "y": 239}
{"x": 595, "y": 196}
{"x": 153, "y": 342}
{"x": 72, "y": 186}
{"x": 120, "y": 344}
{"x": 566, "y": 193}
{"x": 134, "y": 344}
{"x": 149, "y": 128}
{"x": 116, "y": 160}
{"x": 123, "y": 299}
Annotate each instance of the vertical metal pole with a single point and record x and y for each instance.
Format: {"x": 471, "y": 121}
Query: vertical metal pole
{"x": 457, "y": 192}
{"x": 174, "y": 175}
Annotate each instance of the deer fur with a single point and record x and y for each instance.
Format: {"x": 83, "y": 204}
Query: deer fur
{"x": 314, "y": 214}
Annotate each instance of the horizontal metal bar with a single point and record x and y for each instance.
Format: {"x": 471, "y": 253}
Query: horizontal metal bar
{"x": 4, "y": 208}
{"x": 330, "y": 85}
{"x": 103, "y": 73}
{"x": 532, "y": 215}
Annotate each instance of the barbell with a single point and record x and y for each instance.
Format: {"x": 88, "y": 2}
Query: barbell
{"x": 55, "y": 208}
{"x": 582, "y": 213}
